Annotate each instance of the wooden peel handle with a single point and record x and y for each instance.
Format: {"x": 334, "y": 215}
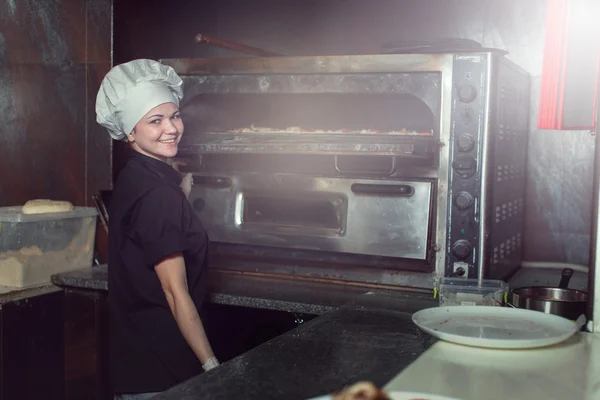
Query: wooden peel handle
{"x": 226, "y": 44}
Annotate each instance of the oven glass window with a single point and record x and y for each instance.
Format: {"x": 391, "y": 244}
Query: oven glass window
{"x": 296, "y": 214}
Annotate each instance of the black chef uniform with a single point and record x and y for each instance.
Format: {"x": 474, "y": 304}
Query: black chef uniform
{"x": 150, "y": 219}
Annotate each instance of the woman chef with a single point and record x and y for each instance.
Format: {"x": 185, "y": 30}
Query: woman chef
{"x": 157, "y": 245}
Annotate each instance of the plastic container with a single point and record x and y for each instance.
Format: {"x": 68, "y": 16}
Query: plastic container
{"x": 472, "y": 292}
{"x": 34, "y": 247}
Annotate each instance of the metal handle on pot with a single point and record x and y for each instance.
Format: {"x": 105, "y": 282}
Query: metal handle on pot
{"x": 567, "y": 273}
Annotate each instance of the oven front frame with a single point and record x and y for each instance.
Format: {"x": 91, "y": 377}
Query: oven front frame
{"x": 440, "y": 63}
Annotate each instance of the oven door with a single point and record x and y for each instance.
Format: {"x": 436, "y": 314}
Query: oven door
{"x": 375, "y": 217}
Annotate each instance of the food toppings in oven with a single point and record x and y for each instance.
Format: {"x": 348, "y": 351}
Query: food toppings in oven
{"x": 257, "y": 129}
{"x": 361, "y": 391}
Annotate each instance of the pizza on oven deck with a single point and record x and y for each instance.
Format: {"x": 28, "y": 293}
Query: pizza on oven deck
{"x": 256, "y": 129}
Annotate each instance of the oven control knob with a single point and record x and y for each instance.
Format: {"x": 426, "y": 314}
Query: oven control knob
{"x": 462, "y": 249}
{"x": 463, "y": 200}
{"x": 465, "y": 167}
{"x": 465, "y": 142}
{"x": 467, "y": 93}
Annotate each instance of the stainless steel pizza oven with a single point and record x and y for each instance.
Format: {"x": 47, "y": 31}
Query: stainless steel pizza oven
{"x": 385, "y": 169}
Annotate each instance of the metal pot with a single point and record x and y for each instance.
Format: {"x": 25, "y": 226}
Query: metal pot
{"x": 568, "y": 303}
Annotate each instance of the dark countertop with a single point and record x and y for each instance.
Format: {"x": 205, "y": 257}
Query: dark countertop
{"x": 373, "y": 338}
{"x": 95, "y": 278}
{"x": 244, "y": 290}
{"x": 26, "y": 293}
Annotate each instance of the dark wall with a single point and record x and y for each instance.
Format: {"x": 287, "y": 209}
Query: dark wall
{"x": 52, "y": 55}
{"x": 154, "y": 29}
{"x": 559, "y": 196}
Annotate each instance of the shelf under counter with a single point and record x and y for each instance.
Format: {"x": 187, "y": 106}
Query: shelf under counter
{"x": 31, "y": 343}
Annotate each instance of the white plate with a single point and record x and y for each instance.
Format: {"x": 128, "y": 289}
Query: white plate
{"x": 494, "y": 327}
{"x": 402, "y": 396}
{"x": 417, "y": 396}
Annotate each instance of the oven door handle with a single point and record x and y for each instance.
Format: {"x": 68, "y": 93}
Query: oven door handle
{"x": 387, "y": 190}
{"x": 346, "y": 171}
{"x": 215, "y": 182}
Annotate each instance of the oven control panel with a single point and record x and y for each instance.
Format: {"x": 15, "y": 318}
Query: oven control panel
{"x": 469, "y": 93}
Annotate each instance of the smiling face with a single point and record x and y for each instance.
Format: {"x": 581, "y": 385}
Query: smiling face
{"x": 158, "y": 133}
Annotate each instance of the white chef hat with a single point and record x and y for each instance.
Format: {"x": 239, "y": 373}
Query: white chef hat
{"x": 132, "y": 89}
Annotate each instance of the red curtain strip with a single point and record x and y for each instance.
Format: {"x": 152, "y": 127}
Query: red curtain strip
{"x": 553, "y": 69}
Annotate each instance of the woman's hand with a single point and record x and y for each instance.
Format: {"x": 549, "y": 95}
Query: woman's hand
{"x": 187, "y": 181}
{"x": 186, "y": 184}
{"x": 210, "y": 364}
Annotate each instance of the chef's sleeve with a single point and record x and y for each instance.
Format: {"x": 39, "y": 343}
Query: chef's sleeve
{"x": 156, "y": 224}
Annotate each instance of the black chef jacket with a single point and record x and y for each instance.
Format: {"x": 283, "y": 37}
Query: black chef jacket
{"x": 150, "y": 219}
